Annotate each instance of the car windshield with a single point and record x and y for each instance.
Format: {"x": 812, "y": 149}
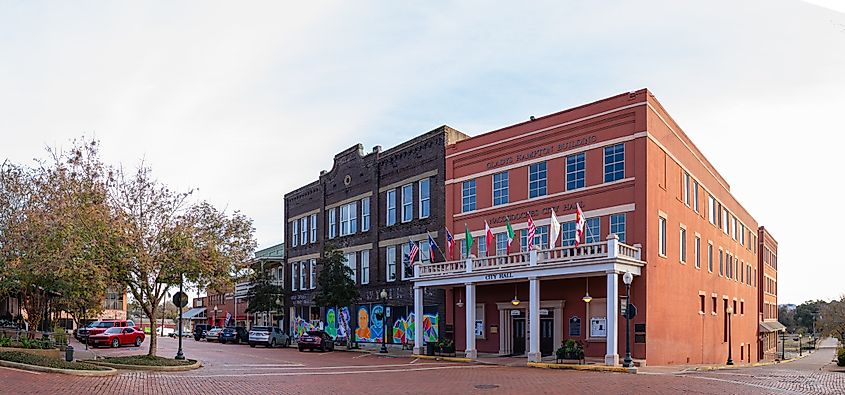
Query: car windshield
{"x": 104, "y": 325}
{"x": 315, "y": 333}
{"x": 260, "y": 329}
{"x": 112, "y": 331}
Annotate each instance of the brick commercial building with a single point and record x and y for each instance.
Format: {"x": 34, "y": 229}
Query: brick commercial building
{"x": 655, "y": 207}
{"x": 369, "y": 205}
{"x": 767, "y": 294}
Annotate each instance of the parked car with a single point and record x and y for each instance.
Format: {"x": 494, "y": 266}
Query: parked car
{"x": 100, "y": 326}
{"x": 316, "y": 340}
{"x": 162, "y": 331}
{"x": 200, "y": 331}
{"x": 117, "y": 336}
{"x": 237, "y": 334}
{"x": 185, "y": 333}
{"x": 213, "y": 334}
{"x": 268, "y": 336}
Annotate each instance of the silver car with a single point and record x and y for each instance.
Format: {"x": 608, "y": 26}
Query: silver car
{"x": 268, "y": 337}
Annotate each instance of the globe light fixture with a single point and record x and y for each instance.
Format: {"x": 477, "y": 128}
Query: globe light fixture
{"x": 587, "y": 298}
{"x": 515, "y": 300}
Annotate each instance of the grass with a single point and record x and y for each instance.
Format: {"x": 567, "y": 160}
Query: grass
{"x": 38, "y": 360}
{"x": 146, "y": 360}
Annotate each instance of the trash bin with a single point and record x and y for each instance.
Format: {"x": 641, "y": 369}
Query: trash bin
{"x": 429, "y": 349}
{"x": 69, "y": 353}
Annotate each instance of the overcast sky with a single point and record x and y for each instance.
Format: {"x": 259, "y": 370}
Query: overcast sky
{"x": 246, "y": 101}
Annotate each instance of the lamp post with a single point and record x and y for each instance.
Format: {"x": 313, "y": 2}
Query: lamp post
{"x": 179, "y": 355}
{"x": 783, "y": 345}
{"x": 215, "y": 316}
{"x": 729, "y": 311}
{"x": 383, "y": 296}
{"x": 800, "y": 349}
{"x": 627, "y": 279}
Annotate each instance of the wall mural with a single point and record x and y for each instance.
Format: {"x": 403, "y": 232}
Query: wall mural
{"x": 371, "y": 321}
{"x": 337, "y": 324}
{"x": 302, "y": 326}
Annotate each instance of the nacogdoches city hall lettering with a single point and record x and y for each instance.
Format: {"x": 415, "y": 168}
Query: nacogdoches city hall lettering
{"x": 540, "y": 152}
{"x": 521, "y": 216}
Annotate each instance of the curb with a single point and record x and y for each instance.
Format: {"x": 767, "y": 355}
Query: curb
{"x": 753, "y": 365}
{"x": 45, "y": 369}
{"x": 594, "y": 368}
{"x": 449, "y": 359}
{"x": 196, "y": 365}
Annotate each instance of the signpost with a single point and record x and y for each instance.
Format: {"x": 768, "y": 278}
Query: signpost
{"x": 180, "y": 299}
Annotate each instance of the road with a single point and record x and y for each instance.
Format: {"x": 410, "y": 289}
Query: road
{"x": 239, "y": 369}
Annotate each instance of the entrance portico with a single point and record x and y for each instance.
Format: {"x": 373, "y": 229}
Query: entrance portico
{"x": 542, "y": 319}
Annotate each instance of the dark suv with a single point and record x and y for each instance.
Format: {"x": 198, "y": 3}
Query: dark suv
{"x": 200, "y": 330}
{"x": 237, "y": 334}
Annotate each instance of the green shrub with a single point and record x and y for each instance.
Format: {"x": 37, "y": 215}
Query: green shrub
{"x": 840, "y": 357}
{"x": 38, "y": 360}
{"x": 146, "y": 360}
{"x": 5, "y": 341}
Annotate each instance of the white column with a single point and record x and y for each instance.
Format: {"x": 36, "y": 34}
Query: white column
{"x": 532, "y": 257}
{"x": 612, "y": 356}
{"x": 418, "y": 320}
{"x": 470, "y": 325}
{"x": 502, "y": 336}
{"x": 534, "y": 320}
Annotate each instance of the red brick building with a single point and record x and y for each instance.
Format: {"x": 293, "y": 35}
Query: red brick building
{"x": 654, "y": 207}
{"x": 768, "y": 296}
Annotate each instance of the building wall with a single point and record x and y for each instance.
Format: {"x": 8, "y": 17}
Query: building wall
{"x": 767, "y": 291}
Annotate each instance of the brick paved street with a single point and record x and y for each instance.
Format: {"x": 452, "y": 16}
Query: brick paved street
{"x": 237, "y": 369}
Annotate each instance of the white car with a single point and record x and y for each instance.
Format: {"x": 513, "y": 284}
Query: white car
{"x": 268, "y": 337}
{"x": 161, "y": 331}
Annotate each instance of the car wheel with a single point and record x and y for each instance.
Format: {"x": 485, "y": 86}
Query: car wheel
{"x": 138, "y": 341}
{"x": 222, "y": 341}
{"x": 115, "y": 343}
{"x": 273, "y": 343}
{"x": 287, "y": 342}
{"x": 252, "y": 345}
{"x": 301, "y": 349}
{"x": 323, "y": 347}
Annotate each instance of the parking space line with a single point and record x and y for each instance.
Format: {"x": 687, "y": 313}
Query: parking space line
{"x": 346, "y": 372}
{"x": 414, "y": 361}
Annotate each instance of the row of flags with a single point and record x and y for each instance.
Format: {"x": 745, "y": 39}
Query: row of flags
{"x": 554, "y": 233}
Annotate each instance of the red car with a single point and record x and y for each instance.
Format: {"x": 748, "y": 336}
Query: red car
{"x": 115, "y": 337}
{"x": 315, "y": 340}
{"x": 98, "y": 327}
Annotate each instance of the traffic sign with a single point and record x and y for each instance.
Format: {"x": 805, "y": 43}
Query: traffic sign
{"x": 180, "y": 299}
{"x": 631, "y": 311}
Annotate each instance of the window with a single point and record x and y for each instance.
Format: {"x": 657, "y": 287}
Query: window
{"x": 480, "y": 323}
{"x": 425, "y": 198}
{"x": 617, "y": 226}
{"x": 726, "y": 221}
{"x": 742, "y": 234}
{"x": 574, "y": 171}
{"x": 390, "y": 254}
{"x": 500, "y": 188}
{"x": 332, "y": 223}
{"x": 742, "y": 307}
{"x": 303, "y": 229}
{"x": 313, "y": 228}
{"x": 302, "y": 275}
{"x": 463, "y": 247}
{"x": 424, "y": 256}
{"x": 683, "y": 251}
{"x": 407, "y": 269}
{"x": 721, "y": 263}
{"x": 294, "y": 276}
{"x": 701, "y": 304}
{"x": 697, "y": 248}
{"x": 733, "y": 222}
{"x": 592, "y": 230}
{"x": 391, "y": 207}
{"x": 348, "y": 219}
{"x": 407, "y": 202}
{"x": 501, "y": 244}
{"x": 537, "y": 180}
{"x": 294, "y": 239}
{"x": 365, "y": 267}
{"x": 686, "y": 189}
{"x": 695, "y": 196}
{"x": 280, "y": 275}
{"x": 541, "y": 236}
{"x": 352, "y": 265}
{"x": 729, "y": 264}
{"x": 614, "y": 162}
{"x": 711, "y": 209}
{"x": 482, "y": 246}
{"x": 567, "y": 231}
{"x": 365, "y": 214}
{"x": 710, "y": 257}
{"x": 713, "y": 299}
{"x": 662, "y": 236}
{"x": 312, "y": 269}
{"x": 468, "y": 196}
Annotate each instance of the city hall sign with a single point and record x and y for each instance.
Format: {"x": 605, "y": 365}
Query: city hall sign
{"x": 521, "y": 216}
{"x": 541, "y": 152}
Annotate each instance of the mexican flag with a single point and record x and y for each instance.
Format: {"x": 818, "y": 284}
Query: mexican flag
{"x": 511, "y": 234}
{"x": 467, "y": 241}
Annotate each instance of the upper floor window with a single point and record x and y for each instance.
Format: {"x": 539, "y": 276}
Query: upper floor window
{"x": 592, "y": 230}
{"x": 391, "y": 207}
{"x": 697, "y": 252}
{"x": 617, "y": 226}
{"x": 468, "y": 196}
{"x": 683, "y": 236}
{"x": 726, "y": 221}
{"x": 302, "y": 277}
{"x": 312, "y": 270}
{"x": 614, "y": 163}
{"x": 407, "y": 269}
{"x": 390, "y": 255}
{"x": 711, "y": 209}
{"x": 541, "y": 237}
{"x": 500, "y": 188}
{"x": 425, "y": 198}
{"x": 348, "y": 219}
{"x": 352, "y": 265}
{"x": 294, "y": 239}
{"x": 661, "y": 229}
{"x": 687, "y": 186}
{"x": 313, "y": 228}
{"x": 303, "y": 229}
{"x": 482, "y": 246}
{"x": 407, "y": 202}
{"x": 537, "y": 180}
{"x": 294, "y": 276}
{"x": 721, "y": 263}
{"x": 365, "y": 214}
{"x": 695, "y": 196}
{"x": 332, "y": 223}
{"x": 734, "y": 227}
{"x": 501, "y": 243}
{"x": 575, "y": 171}
{"x": 567, "y": 232}
{"x": 365, "y": 267}
{"x": 710, "y": 257}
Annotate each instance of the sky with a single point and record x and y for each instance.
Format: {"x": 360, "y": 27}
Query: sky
{"x": 245, "y": 101}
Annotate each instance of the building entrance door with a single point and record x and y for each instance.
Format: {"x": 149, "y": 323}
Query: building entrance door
{"x": 518, "y": 336}
{"x": 547, "y": 336}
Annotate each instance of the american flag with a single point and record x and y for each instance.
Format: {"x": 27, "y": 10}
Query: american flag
{"x": 450, "y": 242}
{"x": 414, "y": 250}
{"x": 531, "y": 230}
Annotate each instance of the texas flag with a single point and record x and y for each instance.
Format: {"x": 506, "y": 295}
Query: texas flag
{"x": 450, "y": 242}
{"x": 431, "y": 246}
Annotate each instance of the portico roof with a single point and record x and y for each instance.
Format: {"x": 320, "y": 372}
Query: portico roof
{"x": 771, "y": 326}
{"x": 190, "y": 314}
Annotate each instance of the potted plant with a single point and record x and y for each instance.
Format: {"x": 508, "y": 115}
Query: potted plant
{"x": 570, "y": 350}
{"x": 446, "y": 346}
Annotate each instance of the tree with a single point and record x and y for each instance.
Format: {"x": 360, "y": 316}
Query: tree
{"x": 787, "y": 318}
{"x": 831, "y": 320}
{"x": 264, "y": 293}
{"x": 805, "y": 314}
{"x": 336, "y": 283}
{"x": 170, "y": 240}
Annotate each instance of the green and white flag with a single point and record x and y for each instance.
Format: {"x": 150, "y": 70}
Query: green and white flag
{"x": 467, "y": 241}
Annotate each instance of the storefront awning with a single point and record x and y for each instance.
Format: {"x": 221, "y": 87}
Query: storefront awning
{"x": 771, "y": 326}
{"x": 190, "y": 314}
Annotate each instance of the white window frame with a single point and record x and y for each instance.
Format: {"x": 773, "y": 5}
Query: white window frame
{"x": 425, "y": 199}
{"x": 365, "y": 266}
{"x": 313, "y": 228}
{"x": 615, "y": 226}
{"x": 710, "y": 256}
{"x": 406, "y": 264}
{"x": 332, "y": 223}
{"x": 661, "y": 235}
{"x": 348, "y": 225}
{"x": 682, "y": 252}
{"x": 390, "y": 197}
{"x": 294, "y": 280}
{"x": 312, "y": 271}
{"x": 365, "y": 214}
{"x": 503, "y": 188}
{"x": 711, "y": 209}
{"x": 294, "y": 240}
{"x": 468, "y": 201}
{"x": 697, "y": 248}
{"x": 686, "y": 189}
{"x": 302, "y": 275}
{"x": 695, "y": 194}
{"x": 303, "y": 231}
{"x": 407, "y": 203}
{"x": 390, "y": 263}
{"x": 352, "y": 264}
{"x": 542, "y": 184}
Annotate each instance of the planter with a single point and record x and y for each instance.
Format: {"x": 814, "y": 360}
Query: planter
{"x": 430, "y": 349}
{"x": 50, "y": 353}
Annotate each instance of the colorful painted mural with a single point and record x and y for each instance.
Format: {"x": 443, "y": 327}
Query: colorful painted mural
{"x": 302, "y": 326}
{"x": 403, "y": 328}
{"x": 335, "y": 322}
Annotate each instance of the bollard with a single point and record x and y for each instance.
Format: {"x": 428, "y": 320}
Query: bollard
{"x": 69, "y": 353}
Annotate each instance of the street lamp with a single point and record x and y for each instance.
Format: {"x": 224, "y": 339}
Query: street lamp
{"x": 179, "y": 355}
{"x": 729, "y": 311}
{"x": 627, "y": 279}
{"x": 383, "y": 296}
{"x": 215, "y": 315}
{"x": 800, "y": 349}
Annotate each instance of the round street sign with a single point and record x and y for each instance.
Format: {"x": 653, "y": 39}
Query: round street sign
{"x": 180, "y": 299}
{"x": 632, "y": 311}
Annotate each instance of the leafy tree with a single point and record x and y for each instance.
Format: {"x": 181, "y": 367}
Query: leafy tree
{"x": 336, "y": 286}
{"x": 169, "y": 239}
{"x": 805, "y": 314}
{"x": 264, "y": 293}
{"x": 787, "y": 318}
{"x": 831, "y": 320}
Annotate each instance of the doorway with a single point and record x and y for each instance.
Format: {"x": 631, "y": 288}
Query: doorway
{"x": 547, "y": 333}
{"x": 518, "y": 336}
